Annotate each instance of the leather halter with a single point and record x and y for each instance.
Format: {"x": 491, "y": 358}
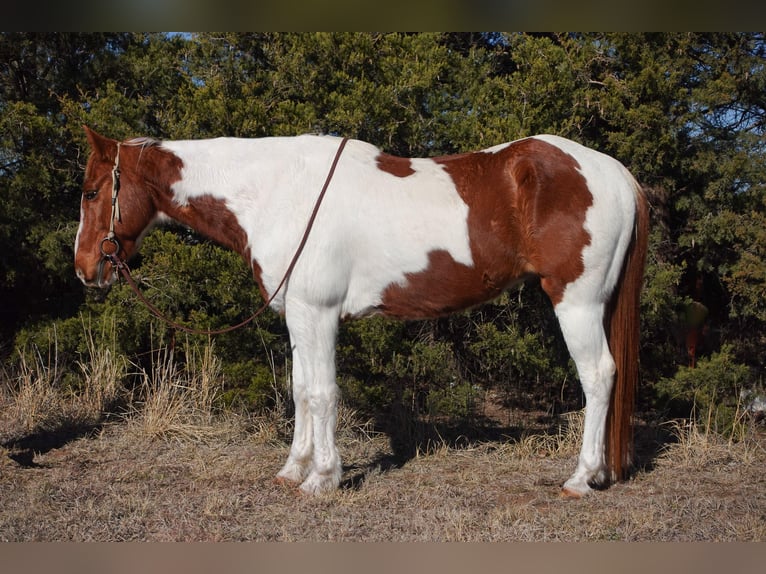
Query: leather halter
{"x": 111, "y": 237}
{"x": 122, "y": 266}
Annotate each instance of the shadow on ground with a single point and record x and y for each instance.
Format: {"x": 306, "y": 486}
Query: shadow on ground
{"x": 410, "y": 437}
{"x": 23, "y": 450}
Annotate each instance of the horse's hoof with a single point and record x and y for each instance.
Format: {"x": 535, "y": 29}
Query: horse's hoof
{"x": 316, "y": 484}
{"x": 570, "y": 494}
{"x": 285, "y": 482}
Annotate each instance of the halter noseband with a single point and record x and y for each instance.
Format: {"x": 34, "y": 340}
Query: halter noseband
{"x": 113, "y": 256}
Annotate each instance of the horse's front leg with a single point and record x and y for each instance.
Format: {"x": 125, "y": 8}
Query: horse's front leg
{"x": 298, "y": 462}
{"x": 313, "y": 456}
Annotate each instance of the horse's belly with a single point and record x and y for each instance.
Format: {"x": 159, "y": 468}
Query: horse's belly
{"x": 446, "y": 286}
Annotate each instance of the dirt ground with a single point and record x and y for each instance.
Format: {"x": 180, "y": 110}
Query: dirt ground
{"x": 113, "y": 483}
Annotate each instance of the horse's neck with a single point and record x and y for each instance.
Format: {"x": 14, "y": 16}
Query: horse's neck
{"x": 226, "y": 184}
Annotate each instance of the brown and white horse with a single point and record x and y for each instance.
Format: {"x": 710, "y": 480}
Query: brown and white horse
{"x": 405, "y": 238}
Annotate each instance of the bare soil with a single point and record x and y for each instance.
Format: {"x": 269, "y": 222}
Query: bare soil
{"x": 115, "y": 483}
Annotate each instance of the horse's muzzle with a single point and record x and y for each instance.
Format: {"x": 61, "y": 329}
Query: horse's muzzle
{"x": 106, "y": 269}
{"x": 99, "y": 273}
{"x": 104, "y": 276}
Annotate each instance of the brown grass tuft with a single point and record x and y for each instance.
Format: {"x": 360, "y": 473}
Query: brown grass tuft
{"x": 102, "y": 374}
{"x": 565, "y": 442}
{"x": 33, "y": 398}
{"x": 697, "y": 446}
{"x": 36, "y": 399}
{"x": 179, "y": 401}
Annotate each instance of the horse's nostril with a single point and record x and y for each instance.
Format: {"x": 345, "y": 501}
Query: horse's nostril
{"x": 86, "y": 280}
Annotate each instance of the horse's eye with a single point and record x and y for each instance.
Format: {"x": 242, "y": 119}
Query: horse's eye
{"x": 90, "y": 195}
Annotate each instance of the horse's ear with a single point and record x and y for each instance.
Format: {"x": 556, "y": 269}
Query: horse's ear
{"x": 102, "y": 146}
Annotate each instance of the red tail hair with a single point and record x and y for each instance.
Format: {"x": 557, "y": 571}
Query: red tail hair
{"x": 623, "y": 331}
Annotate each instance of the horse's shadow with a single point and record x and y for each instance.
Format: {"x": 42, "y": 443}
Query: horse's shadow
{"x": 408, "y": 439}
{"x": 412, "y": 436}
{"x": 651, "y": 440}
{"x": 24, "y": 449}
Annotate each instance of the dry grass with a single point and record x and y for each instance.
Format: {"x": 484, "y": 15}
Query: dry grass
{"x": 32, "y": 401}
{"x": 178, "y": 401}
{"x": 175, "y": 468}
{"x": 120, "y": 485}
{"x": 564, "y": 442}
{"x": 102, "y": 374}
{"x": 34, "y": 398}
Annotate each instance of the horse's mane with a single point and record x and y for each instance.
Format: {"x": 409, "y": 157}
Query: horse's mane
{"x": 143, "y": 142}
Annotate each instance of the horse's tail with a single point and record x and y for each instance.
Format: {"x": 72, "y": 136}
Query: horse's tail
{"x": 623, "y": 330}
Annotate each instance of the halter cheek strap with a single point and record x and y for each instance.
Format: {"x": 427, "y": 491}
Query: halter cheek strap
{"x": 111, "y": 237}
{"x": 115, "y": 190}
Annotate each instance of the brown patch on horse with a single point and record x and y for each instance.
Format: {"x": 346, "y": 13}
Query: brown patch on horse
{"x": 147, "y": 173}
{"x": 398, "y": 166}
{"x": 212, "y": 218}
{"x": 443, "y": 287}
{"x": 554, "y": 198}
{"x": 526, "y": 211}
{"x": 159, "y": 167}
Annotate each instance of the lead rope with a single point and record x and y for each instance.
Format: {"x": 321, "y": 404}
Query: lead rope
{"x": 122, "y": 267}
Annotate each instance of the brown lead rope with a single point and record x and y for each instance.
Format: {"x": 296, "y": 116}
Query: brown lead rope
{"x": 122, "y": 267}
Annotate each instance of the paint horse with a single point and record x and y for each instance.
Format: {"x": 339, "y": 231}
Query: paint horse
{"x": 403, "y": 238}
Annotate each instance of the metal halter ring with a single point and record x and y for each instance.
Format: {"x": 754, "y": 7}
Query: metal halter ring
{"x": 113, "y": 241}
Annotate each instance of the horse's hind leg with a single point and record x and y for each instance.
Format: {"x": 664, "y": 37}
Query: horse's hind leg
{"x": 313, "y": 456}
{"x": 583, "y": 330}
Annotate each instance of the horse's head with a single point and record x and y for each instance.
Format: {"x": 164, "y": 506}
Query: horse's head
{"x": 115, "y": 211}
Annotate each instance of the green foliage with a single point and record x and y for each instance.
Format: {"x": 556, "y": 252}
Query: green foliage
{"x": 203, "y": 286}
{"x": 250, "y": 385}
{"x": 515, "y": 346}
{"x": 684, "y": 111}
{"x": 505, "y": 355}
{"x": 710, "y": 391}
{"x": 457, "y": 402}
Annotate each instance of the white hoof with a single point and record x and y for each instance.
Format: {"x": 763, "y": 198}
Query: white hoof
{"x": 575, "y": 488}
{"x": 582, "y": 481}
{"x": 320, "y": 483}
{"x": 292, "y": 472}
